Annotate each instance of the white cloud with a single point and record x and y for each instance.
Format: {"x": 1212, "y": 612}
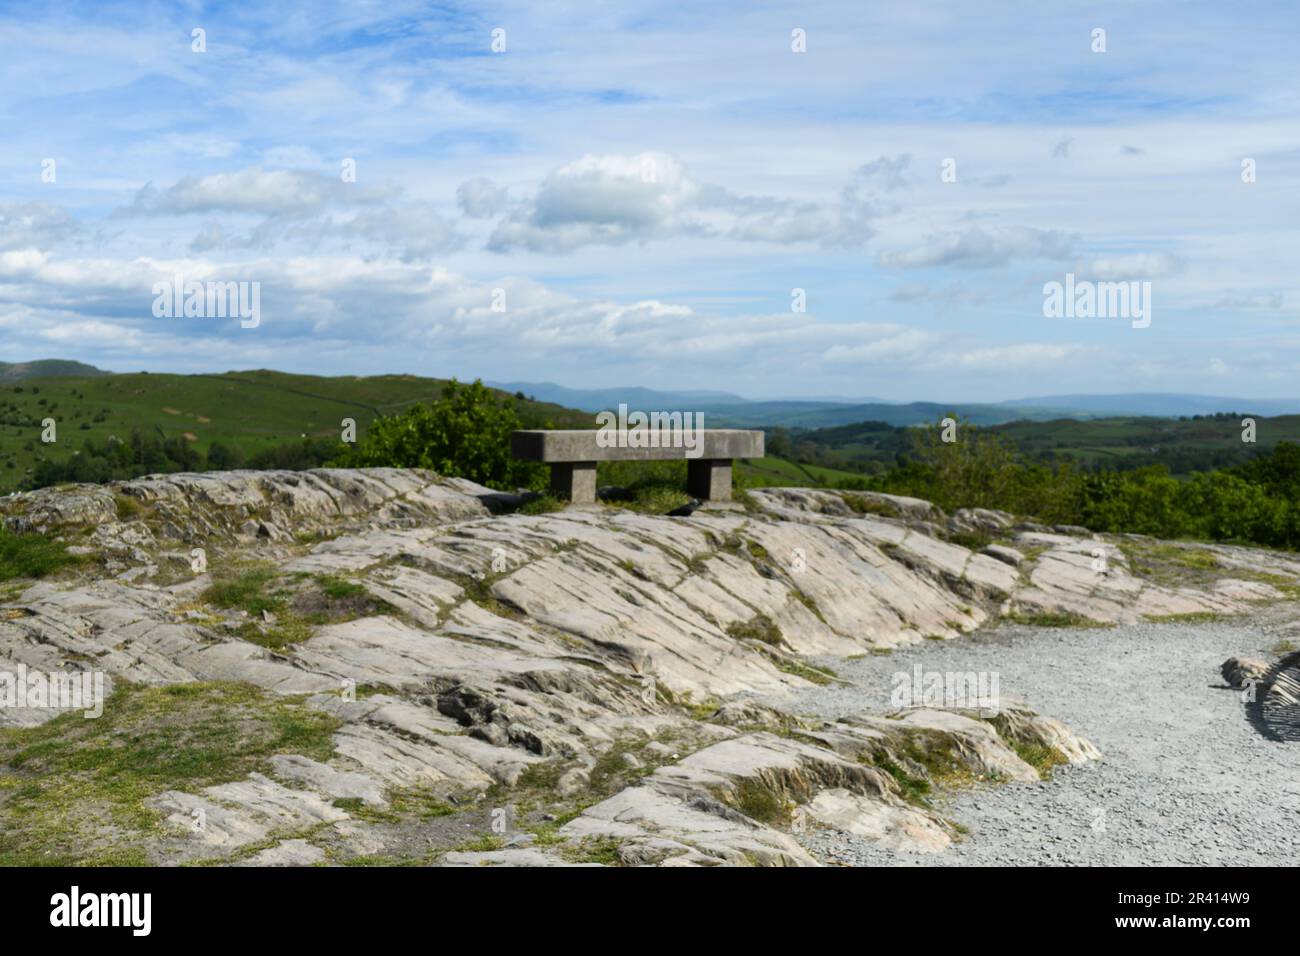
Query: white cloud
{"x": 34, "y": 224}
{"x": 480, "y": 198}
{"x": 617, "y": 199}
{"x": 979, "y": 248}
{"x": 269, "y": 192}
{"x": 1137, "y": 266}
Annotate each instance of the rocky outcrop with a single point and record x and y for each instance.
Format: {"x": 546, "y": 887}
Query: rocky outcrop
{"x": 1237, "y": 670}
{"x": 591, "y": 665}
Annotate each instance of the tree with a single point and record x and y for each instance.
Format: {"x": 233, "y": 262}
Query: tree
{"x": 465, "y": 433}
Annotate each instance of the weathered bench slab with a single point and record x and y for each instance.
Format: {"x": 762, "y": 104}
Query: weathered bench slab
{"x": 573, "y": 454}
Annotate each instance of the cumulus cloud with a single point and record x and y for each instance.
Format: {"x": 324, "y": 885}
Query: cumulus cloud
{"x": 269, "y": 192}
{"x": 615, "y": 200}
{"x": 480, "y": 198}
{"x": 299, "y": 207}
{"x": 36, "y": 225}
{"x": 321, "y": 303}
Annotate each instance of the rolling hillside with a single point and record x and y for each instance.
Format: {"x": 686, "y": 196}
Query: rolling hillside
{"x": 46, "y": 368}
{"x": 253, "y": 410}
{"x": 1184, "y": 446}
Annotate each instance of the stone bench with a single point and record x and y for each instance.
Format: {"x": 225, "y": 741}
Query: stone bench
{"x": 573, "y": 454}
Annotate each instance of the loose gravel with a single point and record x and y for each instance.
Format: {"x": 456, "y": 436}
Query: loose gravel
{"x": 1184, "y": 777}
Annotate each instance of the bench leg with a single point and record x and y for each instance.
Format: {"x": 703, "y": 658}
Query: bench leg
{"x": 709, "y": 479}
{"x": 574, "y": 480}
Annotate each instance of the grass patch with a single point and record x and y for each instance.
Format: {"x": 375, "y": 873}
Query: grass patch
{"x": 72, "y": 789}
{"x": 1062, "y": 619}
{"x": 479, "y": 590}
{"x": 915, "y": 790}
{"x": 1284, "y": 647}
{"x": 971, "y": 540}
{"x": 248, "y": 589}
{"x": 650, "y": 487}
{"x": 810, "y": 604}
{"x": 1191, "y": 617}
{"x": 403, "y": 804}
{"x": 542, "y": 505}
{"x": 758, "y": 628}
{"x": 32, "y": 556}
{"x": 339, "y": 588}
{"x": 298, "y": 604}
{"x": 602, "y": 850}
{"x": 1039, "y": 756}
{"x": 127, "y": 507}
{"x": 816, "y": 675}
{"x": 485, "y": 844}
{"x": 864, "y": 505}
{"x": 756, "y": 801}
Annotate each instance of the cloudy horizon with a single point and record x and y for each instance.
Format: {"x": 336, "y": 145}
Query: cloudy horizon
{"x": 659, "y": 195}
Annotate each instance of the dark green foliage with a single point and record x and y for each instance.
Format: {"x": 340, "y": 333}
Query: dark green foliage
{"x": 1257, "y": 502}
{"x": 464, "y": 433}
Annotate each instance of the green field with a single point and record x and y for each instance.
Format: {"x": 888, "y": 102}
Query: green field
{"x": 778, "y": 472}
{"x": 251, "y": 410}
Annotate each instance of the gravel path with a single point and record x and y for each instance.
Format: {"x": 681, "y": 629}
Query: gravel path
{"x": 1184, "y": 778}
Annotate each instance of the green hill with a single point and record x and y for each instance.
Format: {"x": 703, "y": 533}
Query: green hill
{"x": 1183, "y": 445}
{"x": 46, "y": 368}
{"x": 253, "y": 411}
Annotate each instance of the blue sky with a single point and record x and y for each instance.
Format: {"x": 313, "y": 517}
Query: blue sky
{"x": 647, "y": 183}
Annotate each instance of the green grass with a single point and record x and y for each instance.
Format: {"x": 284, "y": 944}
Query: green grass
{"x": 339, "y": 588}
{"x": 778, "y": 472}
{"x": 913, "y": 789}
{"x": 797, "y": 668}
{"x": 1191, "y": 617}
{"x": 128, "y": 507}
{"x": 758, "y": 628}
{"x": 72, "y": 789}
{"x": 298, "y": 603}
{"x": 602, "y": 850}
{"x": 1064, "y": 619}
{"x": 541, "y": 505}
{"x": 254, "y": 410}
{"x": 248, "y": 589}
{"x": 32, "y": 556}
{"x": 756, "y": 801}
{"x": 1042, "y": 758}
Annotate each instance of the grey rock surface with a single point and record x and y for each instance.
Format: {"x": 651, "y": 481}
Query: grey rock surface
{"x": 724, "y": 671}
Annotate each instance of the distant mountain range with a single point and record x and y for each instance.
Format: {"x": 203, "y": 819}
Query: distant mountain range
{"x": 46, "y": 368}
{"x": 726, "y": 409}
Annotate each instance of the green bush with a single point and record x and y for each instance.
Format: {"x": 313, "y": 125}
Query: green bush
{"x": 465, "y": 433}
{"x": 1257, "y": 502}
